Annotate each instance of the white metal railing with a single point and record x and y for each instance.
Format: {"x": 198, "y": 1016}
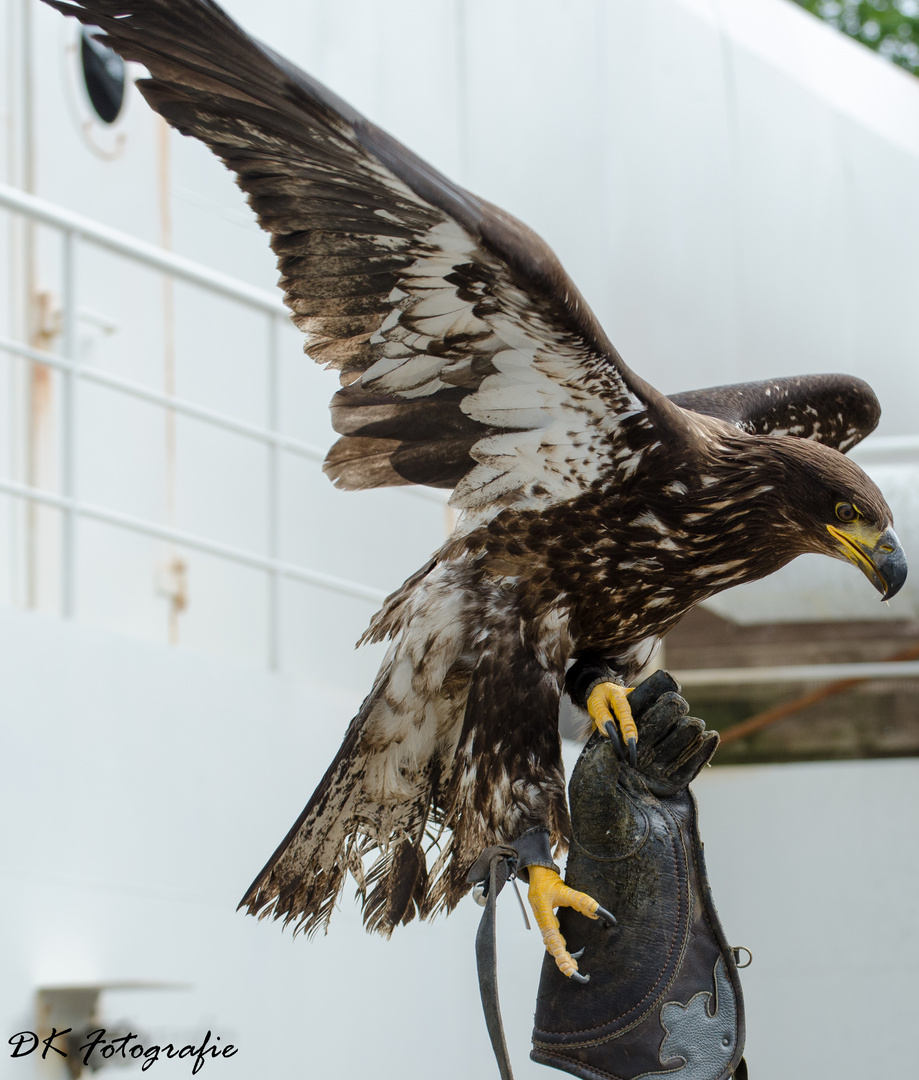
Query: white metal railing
{"x": 192, "y": 540}
{"x": 906, "y": 669}
{"x": 75, "y": 227}
{"x": 83, "y": 228}
{"x": 157, "y": 397}
{"x": 75, "y": 230}
{"x": 884, "y": 449}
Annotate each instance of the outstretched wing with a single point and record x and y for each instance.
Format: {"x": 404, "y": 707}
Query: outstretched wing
{"x": 469, "y": 357}
{"x": 836, "y": 410}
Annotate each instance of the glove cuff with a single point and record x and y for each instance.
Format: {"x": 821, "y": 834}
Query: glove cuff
{"x": 585, "y": 675}
{"x": 532, "y": 848}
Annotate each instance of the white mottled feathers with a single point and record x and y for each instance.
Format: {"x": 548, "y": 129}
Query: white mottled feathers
{"x": 547, "y": 413}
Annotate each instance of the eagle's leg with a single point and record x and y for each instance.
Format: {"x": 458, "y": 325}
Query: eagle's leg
{"x": 547, "y": 891}
{"x": 609, "y": 709}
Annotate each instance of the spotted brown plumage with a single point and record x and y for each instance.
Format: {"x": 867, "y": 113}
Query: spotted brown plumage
{"x": 595, "y": 511}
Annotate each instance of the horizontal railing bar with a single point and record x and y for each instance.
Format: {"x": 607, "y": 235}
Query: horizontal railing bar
{"x": 191, "y": 540}
{"x": 139, "y": 250}
{"x": 188, "y": 408}
{"x": 156, "y": 397}
{"x": 797, "y": 673}
{"x": 893, "y": 447}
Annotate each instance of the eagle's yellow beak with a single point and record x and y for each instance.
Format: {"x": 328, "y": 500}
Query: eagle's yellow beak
{"x": 878, "y": 555}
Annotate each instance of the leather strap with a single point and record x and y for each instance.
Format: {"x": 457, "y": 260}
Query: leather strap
{"x": 492, "y": 870}
{"x": 486, "y": 957}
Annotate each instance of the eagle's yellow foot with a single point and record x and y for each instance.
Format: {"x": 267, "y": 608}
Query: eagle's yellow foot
{"x": 608, "y": 706}
{"x": 547, "y": 891}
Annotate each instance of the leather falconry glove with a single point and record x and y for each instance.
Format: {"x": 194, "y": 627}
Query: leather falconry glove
{"x": 664, "y": 996}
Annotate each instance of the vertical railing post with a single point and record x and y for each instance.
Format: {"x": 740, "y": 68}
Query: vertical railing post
{"x": 70, "y": 240}
{"x": 274, "y": 499}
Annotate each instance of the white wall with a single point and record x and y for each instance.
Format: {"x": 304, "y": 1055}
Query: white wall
{"x": 731, "y": 185}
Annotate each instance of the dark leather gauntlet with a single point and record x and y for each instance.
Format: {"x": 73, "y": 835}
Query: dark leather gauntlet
{"x": 664, "y": 996}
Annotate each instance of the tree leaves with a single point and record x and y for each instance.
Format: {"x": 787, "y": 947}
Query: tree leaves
{"x": 890, "y": 27}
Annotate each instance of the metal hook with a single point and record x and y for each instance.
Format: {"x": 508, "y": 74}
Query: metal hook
{"x": 737, "y": 950}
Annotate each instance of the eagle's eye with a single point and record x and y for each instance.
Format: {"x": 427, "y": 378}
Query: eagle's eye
{"x": 846, "y": 512}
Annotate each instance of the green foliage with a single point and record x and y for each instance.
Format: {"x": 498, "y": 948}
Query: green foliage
{"x": 890, "y": 27}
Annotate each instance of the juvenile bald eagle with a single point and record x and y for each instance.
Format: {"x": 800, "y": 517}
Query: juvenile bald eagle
{"x": 596, "y": 512}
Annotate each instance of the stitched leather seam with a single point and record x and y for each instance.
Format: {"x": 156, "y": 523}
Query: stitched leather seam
{"x": 593, "y": 1068}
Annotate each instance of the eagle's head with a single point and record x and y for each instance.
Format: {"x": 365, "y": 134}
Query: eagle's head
{"x": 822, "y": 502}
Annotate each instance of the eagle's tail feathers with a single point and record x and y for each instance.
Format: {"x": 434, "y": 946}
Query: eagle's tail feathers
{"x": 339, "y": 831}
{"x": 439, "y": 890}
{"x": 398, "y": 880}
{"x": 302, "y": 880}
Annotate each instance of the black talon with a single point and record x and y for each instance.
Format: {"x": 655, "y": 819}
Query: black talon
{"x": 578, "y": 977}
{"x": 606, "y": 916}
{"x": 633, "y": 752}
{"x": 577, "y": 955}
{"x": 614, "y": 737}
